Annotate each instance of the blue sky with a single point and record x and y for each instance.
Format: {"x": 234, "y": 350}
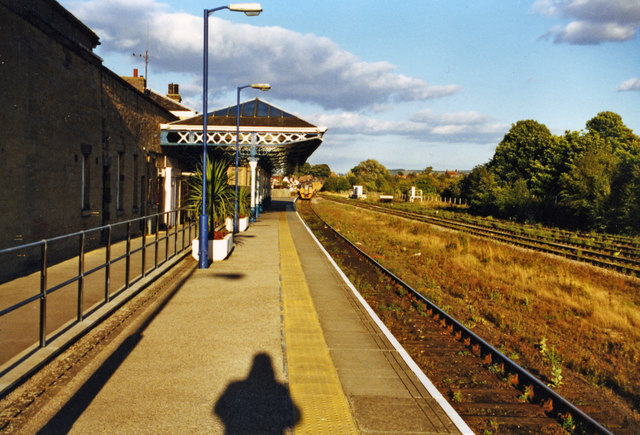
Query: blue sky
{"x": 411, "y": 84}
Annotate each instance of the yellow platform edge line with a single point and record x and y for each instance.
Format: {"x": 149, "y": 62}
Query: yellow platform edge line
{"x": 313, "y": 379}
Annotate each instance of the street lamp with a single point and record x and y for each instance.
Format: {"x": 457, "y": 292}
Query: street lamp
{"x": 262, "y": 87}
{"x": 250, "y": 9}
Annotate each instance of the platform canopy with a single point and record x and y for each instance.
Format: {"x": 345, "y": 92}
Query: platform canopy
{"x": 277, "y": 139}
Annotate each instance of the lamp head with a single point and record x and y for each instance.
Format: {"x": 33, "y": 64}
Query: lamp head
{"x": 250, "y": 9}
{"x": 261, "y": 86}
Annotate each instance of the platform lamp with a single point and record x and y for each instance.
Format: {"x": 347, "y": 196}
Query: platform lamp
{"x": 250, "y": 9}
{"x": 263, "y": 87}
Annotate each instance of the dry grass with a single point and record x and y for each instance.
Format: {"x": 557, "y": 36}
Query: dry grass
{"x": 513, "y": 297}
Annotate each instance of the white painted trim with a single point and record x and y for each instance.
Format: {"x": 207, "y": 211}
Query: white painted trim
{"x": 243, "y": 129}
{"x": 444, "y": 404}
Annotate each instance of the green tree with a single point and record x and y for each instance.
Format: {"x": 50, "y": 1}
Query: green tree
{"x": 589, "y": 179}
{"x": 601, "y": 186}
{"x": 344, "y": 184}
{"x": 370, "y": 169}
{"x": 384, "y": 185}
{"x": 304, "y": 169}
{"x": 587, "y": 185}
{"x": 454, "y": 189}
{"x": 481, "y": 188}
{"x": 514, "y": 200}
{"x": 330, "y": 184}
{"x": 530, "y": 152}
{"x": 624, "y": 201}
{"x": 320, "y": 171}
{"x": 427, "y": 182}
{"x": 609, "y": 126}
{"x": 336, "y": 184}
{"x": 372, "y": 175}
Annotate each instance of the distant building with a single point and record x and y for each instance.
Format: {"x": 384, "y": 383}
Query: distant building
{"x": 449, "y": 173}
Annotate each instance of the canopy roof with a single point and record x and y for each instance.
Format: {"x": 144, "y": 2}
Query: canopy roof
{"x": 276, "y": 138}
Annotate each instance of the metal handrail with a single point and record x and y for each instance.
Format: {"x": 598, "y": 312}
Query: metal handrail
{"x": 44, "y": 291}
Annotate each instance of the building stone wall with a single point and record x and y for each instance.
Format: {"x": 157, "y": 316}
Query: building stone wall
{"x": 131, "y": 152}
{"x": 63, "y": 115}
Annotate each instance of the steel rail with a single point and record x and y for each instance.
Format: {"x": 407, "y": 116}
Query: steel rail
{"x": 491, "y": 354}
{"x": 627, "y": 266}
{"x": 582, "y": 242}
{"x": 512, "y": 234}
{"x": 554, "y": 247}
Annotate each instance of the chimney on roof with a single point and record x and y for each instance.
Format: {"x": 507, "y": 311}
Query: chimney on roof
{"x": 174, "y": 92}
{"x": 137, "y": 81}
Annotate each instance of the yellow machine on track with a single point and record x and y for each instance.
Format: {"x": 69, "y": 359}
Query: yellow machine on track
{"x": 306, "y": 192}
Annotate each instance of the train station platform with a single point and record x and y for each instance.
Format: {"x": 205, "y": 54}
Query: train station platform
{"x": 271, "y": 340}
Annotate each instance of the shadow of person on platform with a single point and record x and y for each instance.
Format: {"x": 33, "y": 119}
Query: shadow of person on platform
{"x": 257, "y": 404}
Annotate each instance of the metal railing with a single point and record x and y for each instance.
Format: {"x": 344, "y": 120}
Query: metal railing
{"x": 120, "y": 242}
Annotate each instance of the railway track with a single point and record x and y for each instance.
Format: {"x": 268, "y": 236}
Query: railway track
{"x": 620, "y": 257}
{"x": 491, "y": 392}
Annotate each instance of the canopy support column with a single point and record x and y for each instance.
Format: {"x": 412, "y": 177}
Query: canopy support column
{"x": 253, "y": 164}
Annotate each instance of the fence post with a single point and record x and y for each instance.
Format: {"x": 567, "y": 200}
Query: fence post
{"x": 144, "y": 247}
{"x": 107, "y": 269}
{"x": 175, "y": 234}
{"x": 184, "y": 235}
{"x": 43, "y": 295}
{"x": 80, "y": 277}
{"x": 190, "y": 227}
{"x": 128, "y": 260}
{"x": 166, "y": 237}
{"x": 156, "y": 241}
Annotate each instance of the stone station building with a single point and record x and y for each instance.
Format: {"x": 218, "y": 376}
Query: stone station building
{"x": 81, "y": 147}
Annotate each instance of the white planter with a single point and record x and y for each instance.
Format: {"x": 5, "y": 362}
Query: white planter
{"x": 243, "y": 224}
{"x": 218, "y": 250}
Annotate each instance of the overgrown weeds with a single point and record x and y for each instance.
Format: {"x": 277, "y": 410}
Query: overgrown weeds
{"x": 516, "y": 297}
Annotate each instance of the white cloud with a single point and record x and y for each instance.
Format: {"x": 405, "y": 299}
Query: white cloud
{"x": 427, "y": 125}
{"x": 301, "y": 67}
{"x": 593, "y": 21}
{"x": 429, "y": 116}
{"x": 630, "y": 85}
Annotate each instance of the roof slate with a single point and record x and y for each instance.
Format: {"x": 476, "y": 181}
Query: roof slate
{"x": 253, "y": 113}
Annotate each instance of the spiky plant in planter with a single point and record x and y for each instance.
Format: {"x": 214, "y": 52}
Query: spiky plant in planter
{"x": 220, "y": 195}
{"x": 244, "y": 201}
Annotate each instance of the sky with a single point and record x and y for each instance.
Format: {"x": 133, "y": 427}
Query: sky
{"x": 411, "y": 84}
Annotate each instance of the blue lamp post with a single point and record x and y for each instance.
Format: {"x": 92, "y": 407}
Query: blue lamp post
{"x": 262, "y": 87}
{"x": 250, "y": 9}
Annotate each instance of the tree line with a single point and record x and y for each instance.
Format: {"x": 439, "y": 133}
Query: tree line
{"x": 586, "y": 180}
{"x": 376, "y": 178}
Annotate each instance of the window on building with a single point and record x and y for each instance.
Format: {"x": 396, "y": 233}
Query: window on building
{"x": 120, "y": 181}
{"x": 248, "y": 108}
{"x": 143, "y": 191}
{"x": 262, "y": 110}
{"x": 86, "y": 181}
{"x": 136, "y": 204}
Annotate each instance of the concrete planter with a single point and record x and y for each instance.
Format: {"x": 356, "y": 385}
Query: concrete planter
{"x": 243, "y": 224}
{"x": 218, "y": 250}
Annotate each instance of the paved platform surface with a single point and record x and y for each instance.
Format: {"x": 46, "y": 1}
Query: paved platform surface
{"x": 270, "y": 340}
